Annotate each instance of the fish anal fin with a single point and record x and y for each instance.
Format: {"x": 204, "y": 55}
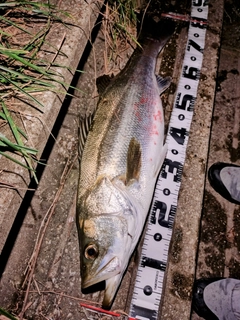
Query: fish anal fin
{"x": 163, "y": 83}
{"x": 102, "y": 83}
{"x": 134, "y": 161}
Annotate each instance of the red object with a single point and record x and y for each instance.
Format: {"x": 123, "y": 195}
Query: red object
{"x": 102, "y": 311}
{"x": 183, "y": 17}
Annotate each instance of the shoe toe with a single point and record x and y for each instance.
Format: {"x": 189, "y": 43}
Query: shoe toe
{"x": 216, "y": 181}
{"x": 198, "y": 304}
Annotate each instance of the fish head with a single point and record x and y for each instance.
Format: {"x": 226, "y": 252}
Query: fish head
{"x": 105, "y": 224}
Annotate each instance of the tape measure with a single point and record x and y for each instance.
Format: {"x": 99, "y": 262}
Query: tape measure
{"x": 148, "y": 287}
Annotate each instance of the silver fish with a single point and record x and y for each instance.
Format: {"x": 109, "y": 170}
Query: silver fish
{"x": 121, "y": 160}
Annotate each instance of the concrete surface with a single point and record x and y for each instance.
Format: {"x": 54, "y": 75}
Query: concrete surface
{"x": 219, "y": 247}
{"x": 55, "y": 284}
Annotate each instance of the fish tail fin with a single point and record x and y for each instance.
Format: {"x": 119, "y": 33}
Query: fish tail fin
{"x": 152, "y": 27}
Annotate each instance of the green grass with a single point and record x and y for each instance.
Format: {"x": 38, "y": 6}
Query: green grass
{"x": 120, "y": 21}
{"x": 125, "y": 10}
{"x": 22, "y": 72}
{"x": 7, "y": 314}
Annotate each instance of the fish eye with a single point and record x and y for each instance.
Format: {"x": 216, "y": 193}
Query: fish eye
{"x": 91, "y": 251}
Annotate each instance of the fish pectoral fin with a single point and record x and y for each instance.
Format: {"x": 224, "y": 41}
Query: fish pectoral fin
{"x": 84, "y": 127}
{"x": 163, "y": 83}
{"x": 161, "y": 159}
{"x": 134, "y": 161}
{"x": 102, "y": 83}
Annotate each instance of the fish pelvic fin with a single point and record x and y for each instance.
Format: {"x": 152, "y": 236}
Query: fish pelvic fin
{"x": 134, "y": 161}
{"x": 163, "y": 83}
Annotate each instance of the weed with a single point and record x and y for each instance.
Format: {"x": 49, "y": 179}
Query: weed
{"x": 24, "y": 26}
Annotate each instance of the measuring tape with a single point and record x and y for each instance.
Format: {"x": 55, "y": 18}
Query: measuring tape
{"x": 148, "y": 287}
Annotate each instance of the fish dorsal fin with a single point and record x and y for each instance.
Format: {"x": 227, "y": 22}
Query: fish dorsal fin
{"x": 134, "y": 161}
{"x": 84, "y": 127}
{"x": 102, "y": 83}
{"x": 163, "y": 83}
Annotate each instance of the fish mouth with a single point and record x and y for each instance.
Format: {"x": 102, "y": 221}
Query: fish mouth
{"x": 112, "y": 285}
{"x": 104, "y": 272}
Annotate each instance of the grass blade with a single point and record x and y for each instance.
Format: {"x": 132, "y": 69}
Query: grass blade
{"x": 5, "y": 142}
{"x": 2, "y": 115}
{"x": 4, "y": 154}
{"x": 25, "y": 77}
{"x": 23, "y": 91}
{"x": 13, "y": 24}
{"x": 7, "y": 314}
{"x": 18, "y": 139}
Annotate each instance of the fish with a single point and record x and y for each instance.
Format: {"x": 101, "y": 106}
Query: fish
{"x": 122, "y": 151}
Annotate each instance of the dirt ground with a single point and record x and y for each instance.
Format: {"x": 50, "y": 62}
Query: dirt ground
{"x": 49, "y": 226}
